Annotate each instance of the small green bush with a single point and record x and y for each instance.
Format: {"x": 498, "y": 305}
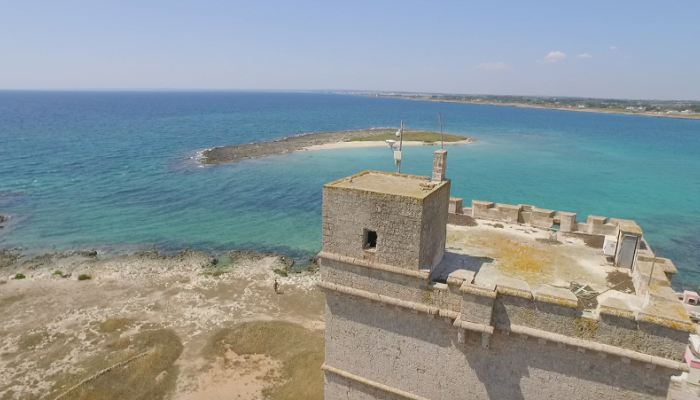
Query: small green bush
{"x": 281, "y": 272}
{"x": 83, "y": 277}
{"x": 58, "y": 272}
{"x": 20, "y": 276}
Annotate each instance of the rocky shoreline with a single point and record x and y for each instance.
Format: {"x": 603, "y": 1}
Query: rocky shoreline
{"x": 66, "y": 317}
{"x": 237, "y": 153}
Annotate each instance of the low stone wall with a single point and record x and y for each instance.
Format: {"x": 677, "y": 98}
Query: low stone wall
{"x": 557, "y": 312}
{"x": 537, "y": 217}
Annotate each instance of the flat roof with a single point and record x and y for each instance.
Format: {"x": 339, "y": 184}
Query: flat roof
{"x": 533, "y": 259}
{"x": 414, "y": 186}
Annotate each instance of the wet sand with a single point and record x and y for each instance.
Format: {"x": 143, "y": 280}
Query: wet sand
{"x": 307, "y": 142}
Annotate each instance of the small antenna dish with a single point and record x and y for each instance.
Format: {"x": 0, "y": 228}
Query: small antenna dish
{"x": 398, "y": 133}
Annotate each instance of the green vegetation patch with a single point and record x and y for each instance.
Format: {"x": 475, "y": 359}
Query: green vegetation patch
{"x": 19, "y": 276}
{"x": 411, "y": 136}
{"x": 151, "y": 376}
{"x": 116, "y": 324}
{"x": 32, "y": 340}
{"x": 299, "y": 349}
{"x": 83, "y": 277}
{"x": 281, "y": 272}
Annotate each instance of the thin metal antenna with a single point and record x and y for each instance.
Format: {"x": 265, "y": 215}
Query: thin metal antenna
{"x": 652, "y": 270}
{"x": 401, "y": 144}
{"x": 442, "y": 137}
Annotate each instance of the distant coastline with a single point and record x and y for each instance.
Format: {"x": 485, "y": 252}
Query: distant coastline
{"x": 555, "y": 108}
{"x": 373, "y": 137}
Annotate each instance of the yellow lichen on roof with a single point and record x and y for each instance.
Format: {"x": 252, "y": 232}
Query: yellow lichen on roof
{"x": 418, "y": 187}
{"x": 518, "y": 259}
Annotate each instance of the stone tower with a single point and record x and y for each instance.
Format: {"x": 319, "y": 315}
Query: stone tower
{"x": 385, "y": 218}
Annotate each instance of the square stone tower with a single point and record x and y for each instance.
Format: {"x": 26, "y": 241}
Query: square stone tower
{"x": 392, "y": 219}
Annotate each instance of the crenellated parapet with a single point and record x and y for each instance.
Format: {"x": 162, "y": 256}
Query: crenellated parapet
{"x": 543, "y": 218}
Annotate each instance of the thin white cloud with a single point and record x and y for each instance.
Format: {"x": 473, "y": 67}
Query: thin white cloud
{"x": 494, "y": 66}
{"x": 584, "y": 55}
{"x": 613, "y": 48}
{"x": 553, "y": 57}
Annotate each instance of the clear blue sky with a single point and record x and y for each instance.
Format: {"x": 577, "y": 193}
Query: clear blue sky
{"x": 625, "y": 49}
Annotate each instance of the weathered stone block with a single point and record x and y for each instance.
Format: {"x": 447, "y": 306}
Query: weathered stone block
{"x": 542, "y": 218}
{"x": 439, "y": 165}
{"x": 509, "y": 213}
{"x": 455, "y": 205}
{"x": 480, "y": 209}
{"x": 567, "y": 221}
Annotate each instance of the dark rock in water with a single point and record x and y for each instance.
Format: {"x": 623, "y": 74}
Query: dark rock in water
{"x": 151, "y": 254}
{"x": 8, "y": 257}
{"x": 287, "y": 262}
{"x": 314, "y": 265}
{"x": 245, "y": 255}
{"x": 87, "y": 253}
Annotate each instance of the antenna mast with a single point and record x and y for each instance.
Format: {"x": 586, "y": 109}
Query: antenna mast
{"x": 400, "y": 144}
{"x": 442, "y": 137}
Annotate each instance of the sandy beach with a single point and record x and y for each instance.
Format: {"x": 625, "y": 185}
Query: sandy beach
{"x": 322, "y": 141}
{"x": 154, "y": 326}
{"x": 360, "y": 145}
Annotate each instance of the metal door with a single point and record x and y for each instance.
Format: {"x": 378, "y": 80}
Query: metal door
{"x": 627, "y": 250}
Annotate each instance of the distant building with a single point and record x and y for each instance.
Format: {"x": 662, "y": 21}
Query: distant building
{"x": 427, "y": 299}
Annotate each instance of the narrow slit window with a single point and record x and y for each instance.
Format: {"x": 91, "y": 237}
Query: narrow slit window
{"x": 370, "y": 240}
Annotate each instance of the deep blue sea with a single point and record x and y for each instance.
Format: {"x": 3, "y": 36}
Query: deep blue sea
{"x": 114, "y": 170}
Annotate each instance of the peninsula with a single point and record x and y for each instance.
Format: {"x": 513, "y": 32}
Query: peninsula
{"x": 684, "y": 109}
{"x": 374, "y": 137}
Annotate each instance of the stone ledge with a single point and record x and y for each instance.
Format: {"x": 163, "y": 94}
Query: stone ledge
{"x": 368, "y": 264}
{"x": 389, "y": 300}
{"x": 471, "y": 326}
{"x": 477, "y": 290}
{"x": 371, "y": 383}
{"x": 600, "y": 347}
{"x": 510, "y": 291}
{"x": 667, "y": 322}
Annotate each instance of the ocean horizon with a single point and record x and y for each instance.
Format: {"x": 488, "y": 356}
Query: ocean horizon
{"x": 117, "y": 171}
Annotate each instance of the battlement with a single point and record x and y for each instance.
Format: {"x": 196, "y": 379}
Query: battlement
{"x": 543, "y": 218}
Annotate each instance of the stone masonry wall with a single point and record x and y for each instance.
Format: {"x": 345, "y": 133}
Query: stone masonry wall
{"x": 421, "y": 354}
{"x": 610, "y": 328}
{"x": 434, "y": 227}
{"x": 402, "y": 287}
{"x": 397, "y": 221}
{"x": 338, "y": 387}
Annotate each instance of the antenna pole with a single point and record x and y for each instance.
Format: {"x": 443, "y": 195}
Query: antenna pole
{"x": 400, "y": 144}
{"x": 442, "y": 137}
{"x": 651, "y": 273}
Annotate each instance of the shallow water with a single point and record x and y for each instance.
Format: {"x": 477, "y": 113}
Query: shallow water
{"x": 114, "y": 170}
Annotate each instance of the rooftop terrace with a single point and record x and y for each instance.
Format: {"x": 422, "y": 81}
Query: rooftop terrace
{"x": 418, "y": 187}
{"x": 543, "y": 262}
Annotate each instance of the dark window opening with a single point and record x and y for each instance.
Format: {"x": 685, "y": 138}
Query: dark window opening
{"x": 370, "y": 241}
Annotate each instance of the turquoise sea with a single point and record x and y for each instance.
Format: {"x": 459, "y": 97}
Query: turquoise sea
{"x": 114, "y": 170}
